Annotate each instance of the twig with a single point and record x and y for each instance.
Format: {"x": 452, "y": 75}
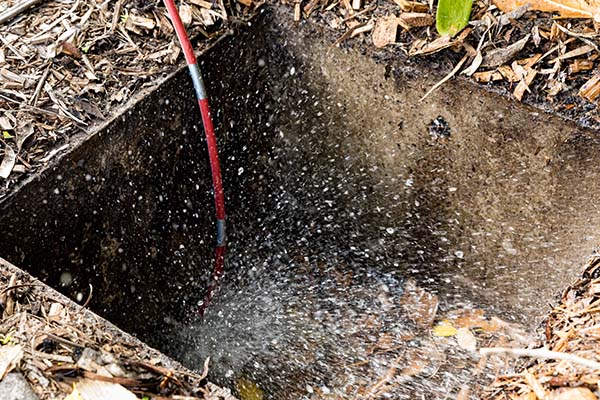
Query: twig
{"x": 205, "y": 371}
{"x": 40, "y": 85}
{"x": 58, "y": 339}
{"x": 541, "y": 354}
{"x": 116, "y": 15}
{"x": 583, "y": 37}
{"x": 17, "y": 9}
{"x": 87, "y": 301}
{"x": 9, "y": 288}
{"x": 358, "y": 14}
{"x": 346, "y": 35}
{"x": 25, "y": 105}
{"x": 447, "y": 77}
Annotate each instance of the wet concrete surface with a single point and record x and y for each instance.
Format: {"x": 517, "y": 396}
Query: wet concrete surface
{"x": 340, "y": 185}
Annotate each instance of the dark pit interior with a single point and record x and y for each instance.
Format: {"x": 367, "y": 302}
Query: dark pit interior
{"x": 339, "y": 184}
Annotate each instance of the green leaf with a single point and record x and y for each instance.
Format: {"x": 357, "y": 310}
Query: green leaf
{"x": 7, "y": 135}
{"x": 452, "y": 16}
{"x": 6, "y": 339}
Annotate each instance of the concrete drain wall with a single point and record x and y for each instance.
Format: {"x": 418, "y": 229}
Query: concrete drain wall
{"x": 329, "y": 162}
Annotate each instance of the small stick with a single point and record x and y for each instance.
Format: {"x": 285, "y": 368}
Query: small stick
{"x": 40, "y": 85}
{"x": 116, "y": 15}
{"x": 447, "y": 77}
{"x": 205, "y": 371}
{"x": 541, "y": 354}
{"x": 17, "y": 9}
{"x": 13, "y": 287}
{"x": 581, "y": 36}
{"x": 358, "y": 14}
{"x": 87, "y": 301}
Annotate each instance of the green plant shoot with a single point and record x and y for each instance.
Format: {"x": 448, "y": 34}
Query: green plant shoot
{"x": 452, "y": 16}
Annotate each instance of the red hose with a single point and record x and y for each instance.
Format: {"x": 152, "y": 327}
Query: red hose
{"x": 211, "y": 142}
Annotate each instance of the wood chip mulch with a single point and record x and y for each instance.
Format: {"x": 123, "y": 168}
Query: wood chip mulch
{"x": 66, "y": 66}
{"x": 61, "y": 349}
{"x": 531, "y": 55}
{"x": 566, "y": 363}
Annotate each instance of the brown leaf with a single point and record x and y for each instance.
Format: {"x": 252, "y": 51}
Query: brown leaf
{"x": 70, "y": 50}
{"x": 409, "y": 20}
{"x": 579, "y": 393}
{"x": 385, "y": 30}
{"x": 564, "y": 8}
{"x": 419, "y": 304}
{"x": 501, "y": 56}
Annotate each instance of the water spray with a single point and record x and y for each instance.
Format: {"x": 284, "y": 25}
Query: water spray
{"x": 211, "y": 142}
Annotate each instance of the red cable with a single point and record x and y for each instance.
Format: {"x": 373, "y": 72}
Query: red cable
{"x": 186, "y": 45}
{"x": 211, "y": 142}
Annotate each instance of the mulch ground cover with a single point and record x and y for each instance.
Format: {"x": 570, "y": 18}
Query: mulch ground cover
{"x": 565, "y": 362}
{"x": 66, "y": 67}
{"x": 509, "y": 46}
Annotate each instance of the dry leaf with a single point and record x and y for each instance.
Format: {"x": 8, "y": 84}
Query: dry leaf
{"x": 579, "y": 393}
{"x": 498, "y": 57}
{"x": 466, "y": 340}
{"x": 88, "y": 389}
{"x": 71, "y": 50}
{"x": 420, "y": 305}
{"x": 385, "y": 30}
{"x": 564, "y": 8}
{"x": 10, "y": 356}
{"x": 8, "y": 162}
{"x": 409, "y": 20}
